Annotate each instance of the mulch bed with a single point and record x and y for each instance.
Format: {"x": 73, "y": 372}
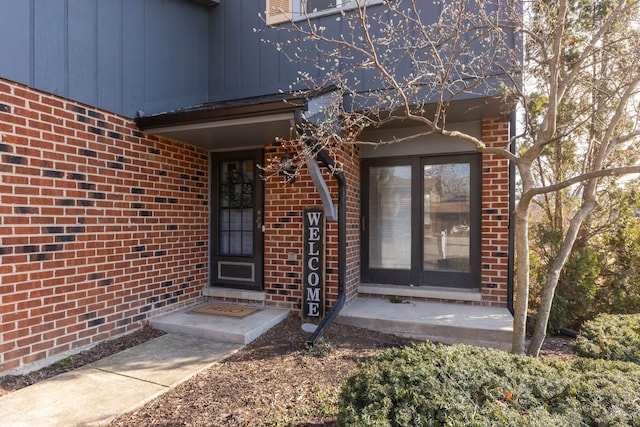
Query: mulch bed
{"x": 274, "y": 381}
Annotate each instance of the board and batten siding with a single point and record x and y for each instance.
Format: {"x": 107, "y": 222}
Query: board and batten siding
{"x": 118, "y": 55}
{"x": 242, "y": 64}
{"x": 159, "y": 55}
{"x": 244, "y": 60}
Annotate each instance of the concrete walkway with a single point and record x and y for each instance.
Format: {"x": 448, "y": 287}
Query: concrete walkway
{"x": 97, "y": 393}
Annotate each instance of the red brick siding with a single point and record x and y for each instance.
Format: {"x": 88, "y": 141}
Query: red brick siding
{"x": 284, "y": 207}
{"x": 101, "y": 226}
{"x": 351, "y": 160}
{"x": 495, "y": 214}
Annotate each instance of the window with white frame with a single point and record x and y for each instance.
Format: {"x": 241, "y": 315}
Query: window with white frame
{"x": 313, "y": 6}
{"x": 279, "y": 11}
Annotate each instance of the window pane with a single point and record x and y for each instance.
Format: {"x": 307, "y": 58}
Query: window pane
{"x": 446, "y": 217}
{"x": 236, "y": 184}
{"x": 235, "y": 243}
{"x": 390, "y": 217}
{"x": 224, "y": 220}
{"x": 247, "y": 220}
{"x": 316, "y": 5}
{"x": 223, "y": 242}
{"x": 247, "y": 243}
{"x": 235, "y": 211}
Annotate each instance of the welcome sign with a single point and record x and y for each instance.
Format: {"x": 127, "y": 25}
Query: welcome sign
{"x": 314, "y": 264}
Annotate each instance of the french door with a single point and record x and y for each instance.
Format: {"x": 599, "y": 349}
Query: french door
{"x": 236, "y": 220}
{"x": 421, "y": 221}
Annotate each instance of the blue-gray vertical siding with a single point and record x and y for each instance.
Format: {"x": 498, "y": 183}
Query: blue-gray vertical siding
{"x": 154, "y": 55}
{"x": 241, "y": 65}
{"x": 120, "y": 55}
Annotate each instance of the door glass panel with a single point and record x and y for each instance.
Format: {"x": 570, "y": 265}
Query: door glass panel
{"x": 447, "y": 217}
{"x": 390, "y": 217}
{"x": 236, "y": 208}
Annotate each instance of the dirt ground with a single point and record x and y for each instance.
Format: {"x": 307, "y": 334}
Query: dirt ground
{"x": 274, "y": 381}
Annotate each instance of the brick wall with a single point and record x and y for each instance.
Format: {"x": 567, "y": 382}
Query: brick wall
{"x": 495, "y": 214}
{"x": 101, "y": 226}
{"x": 284, "y": 207}
{"x": 283, "y": 221}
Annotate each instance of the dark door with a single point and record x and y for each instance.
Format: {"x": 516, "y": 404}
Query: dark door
{"x": 421, "y": 221}
{"x": 236, "y": 220}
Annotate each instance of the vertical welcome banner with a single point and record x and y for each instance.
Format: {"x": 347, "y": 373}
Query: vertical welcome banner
{"x": 314, "y": 264}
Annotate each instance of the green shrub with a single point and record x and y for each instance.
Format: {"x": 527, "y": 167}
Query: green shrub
{"x": 611, "y": 337}
{"x": 575, "y": 296}
{"x": 608, "y": 392}
{"x": 434, "y": 385}
{"x": 602, "y": 274}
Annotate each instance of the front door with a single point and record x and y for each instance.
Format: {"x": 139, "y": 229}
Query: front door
{"x": 421, "y": 221}
{"x": 236, "y": 220}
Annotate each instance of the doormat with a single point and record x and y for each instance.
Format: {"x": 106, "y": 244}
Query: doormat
{"x": 226, "y": 310}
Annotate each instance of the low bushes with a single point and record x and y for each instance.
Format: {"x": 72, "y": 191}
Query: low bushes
{"x": 434, "y": 385}
{"x": 611, "y": 337}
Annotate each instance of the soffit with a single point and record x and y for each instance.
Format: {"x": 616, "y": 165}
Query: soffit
{"x": 225, "y": 125}
{"x": 256, "y": 121}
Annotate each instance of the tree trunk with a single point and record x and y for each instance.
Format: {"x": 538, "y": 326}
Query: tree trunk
{"x": 551, "y": 281}
{"x": 522, "y": 278}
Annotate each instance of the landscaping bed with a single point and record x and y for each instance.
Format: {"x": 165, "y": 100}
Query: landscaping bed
{"x": 273, "y": 381}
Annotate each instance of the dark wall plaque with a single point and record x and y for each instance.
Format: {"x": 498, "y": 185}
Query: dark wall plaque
{"x": 314, "y": 264}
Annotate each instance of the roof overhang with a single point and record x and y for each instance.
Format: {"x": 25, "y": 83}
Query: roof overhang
{"x": 256, "y": 121}
{"x": 230, "y": 124}
{"x": 464, "y": 110}
{"x": 229, "y": 133}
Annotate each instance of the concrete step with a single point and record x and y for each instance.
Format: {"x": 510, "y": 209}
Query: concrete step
{"x": 220, "y": 328}
{"x": 440, "y": 322}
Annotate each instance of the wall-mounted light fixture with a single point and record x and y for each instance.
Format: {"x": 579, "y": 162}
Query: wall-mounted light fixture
{"x": 288, "y": 168}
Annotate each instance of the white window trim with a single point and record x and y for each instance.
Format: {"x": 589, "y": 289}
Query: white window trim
{"x": 340, "y": 5}
{"x": 296, "y": 11}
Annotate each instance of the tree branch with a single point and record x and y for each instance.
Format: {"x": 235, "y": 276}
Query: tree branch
{"x": 583, "y": 177}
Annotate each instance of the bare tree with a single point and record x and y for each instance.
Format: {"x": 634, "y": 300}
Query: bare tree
{"x": 400, "y": 61}
{"x": 584, "y": 58}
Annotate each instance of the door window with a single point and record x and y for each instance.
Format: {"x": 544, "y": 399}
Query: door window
{"x": 421, "y": 221}
{"x": 235, "y": 233}
{"x": 390, "y": 217}
{"x": 447, "y": 216}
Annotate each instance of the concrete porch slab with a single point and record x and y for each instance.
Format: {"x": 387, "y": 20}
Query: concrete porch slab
{"x": 440, "y": 322}
{"x": 220, "y": 328}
